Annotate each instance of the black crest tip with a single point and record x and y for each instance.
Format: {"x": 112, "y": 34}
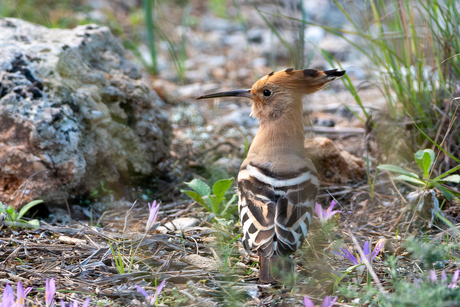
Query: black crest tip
{"x": 310, "y": 73}
{"x": 334, "y": 73}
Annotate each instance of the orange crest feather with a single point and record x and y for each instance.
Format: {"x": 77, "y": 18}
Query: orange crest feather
{"x": 306, "y": 81}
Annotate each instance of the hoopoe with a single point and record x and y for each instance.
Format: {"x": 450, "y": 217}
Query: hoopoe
{"x": 277, "y": 183}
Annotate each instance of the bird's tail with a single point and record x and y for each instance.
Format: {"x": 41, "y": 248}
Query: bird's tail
{"x": 275, "y": 269}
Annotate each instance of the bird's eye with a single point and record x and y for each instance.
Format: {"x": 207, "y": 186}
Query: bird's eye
{"x": 267, "y": 93}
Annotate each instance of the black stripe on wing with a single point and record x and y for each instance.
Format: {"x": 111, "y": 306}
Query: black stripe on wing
{"x": 293, "y": 216}
{"x": 257, "y": 213}
{"x": 280, "y": 176}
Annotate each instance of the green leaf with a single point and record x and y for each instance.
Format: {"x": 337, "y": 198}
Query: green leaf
{"x": 409, "y": 179}
{"x": 447, "y": 173}
{"x": 425, "y": 159}
{"x": 11, "y": 213}
{"x": 27, "y": 208}
{"x": 351, "y": 268}
{"x": 29, "y": 224}
{"x": 397, "y": 169}
{"x": 440, "y": 147}
{"x": 34, "y": 224}
{"x": 448, "y": 194}
{"x": 199, "y": 186}
{"x": 214, "y": 204}
{"x": 2, "y": 208}
{"x": 229, "y": 203}
{"x": 196, "y": 197}
{"x": 451, "y": 178}
{"x": 220, "y": 188}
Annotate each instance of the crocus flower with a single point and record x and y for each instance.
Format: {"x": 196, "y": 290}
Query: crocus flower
{"x": 327, "y": 302}
{"x": 325, "y": 215}
{"x": 148, "y": 295}
{"x": 154, "y": 208}
{"x": 75, "y": 303}
{"x": 453, "y": 282}
{"x": 434, "y": 279}
{"x": 21, "y": 294}
{"x": 50, "y": 291}
{"x": 356, "y": 259}
{"x": 7, "y": 297}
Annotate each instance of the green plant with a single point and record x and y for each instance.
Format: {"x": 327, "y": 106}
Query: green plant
{"x": 150, "y": 26}
{"x": 118, "y": 258}
{"x": 216, "y": 202}
{"x": 429, "y": 254}
{"x": 14, "y": 219}
{"x": 297, "y": 48}
{"x": 177, "y": 47}
{"x": 425, "y": 160}
{"x": 369, "y": 182}
{"x": 426, "y": 291}
{"x": 415, "y": 62}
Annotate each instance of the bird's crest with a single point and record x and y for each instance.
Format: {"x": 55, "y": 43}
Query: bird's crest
{"x": 305, "y": 81}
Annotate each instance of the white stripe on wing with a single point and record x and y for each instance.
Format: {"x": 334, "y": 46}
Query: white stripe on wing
{"x": 253, "y": 171}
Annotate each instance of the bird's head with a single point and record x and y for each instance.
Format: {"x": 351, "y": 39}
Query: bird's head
{"x": 279, "y": 92}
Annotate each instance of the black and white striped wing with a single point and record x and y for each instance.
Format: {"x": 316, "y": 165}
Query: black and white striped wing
{"x": 275, "y": 210}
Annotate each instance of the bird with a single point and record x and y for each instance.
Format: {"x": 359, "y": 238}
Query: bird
{"x": 277, "y": 182}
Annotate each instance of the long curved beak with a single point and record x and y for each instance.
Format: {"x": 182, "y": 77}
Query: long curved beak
{"x": 238, "y": 93}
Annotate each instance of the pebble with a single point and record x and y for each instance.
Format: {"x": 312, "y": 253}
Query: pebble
{"x": 205, "y": 263}
{"x": 181, "y": 223}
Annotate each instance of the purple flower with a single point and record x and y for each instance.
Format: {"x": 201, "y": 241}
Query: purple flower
{"x": 21, "y": 294}
{"x": 154, "y": 208}
{"x": 86, "y": 303}
{"x": 325, "y": 215}
{"x": 75, "y": 303}
{"x": 434, "y": 279}
{"x": 327, "y": 302}
{"x": 50, "y": 291}
{"x": 148, "y": 295}
{"x": 454, "y": 280}
{"x": 7, "y": 297}
{"x": 356, "y": 259}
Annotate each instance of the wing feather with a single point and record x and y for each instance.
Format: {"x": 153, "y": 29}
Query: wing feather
{"x": 275, "y": 217}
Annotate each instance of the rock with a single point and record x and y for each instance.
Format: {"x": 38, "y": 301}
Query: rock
{"x": 255, "y": 35}
{"x": 74, "y": 112}
{"x": 240, "y": 117}
{"x": 210, "y": 23}
{"x": 182, "y": 223}
{"x": 230, "y": 165}
{"x": 334, "y": 165}
{"x": 208, "y": 264}
{"x": 314, "y": 34}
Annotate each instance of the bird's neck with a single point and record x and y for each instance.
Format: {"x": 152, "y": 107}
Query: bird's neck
{"x": 284, "y": 134}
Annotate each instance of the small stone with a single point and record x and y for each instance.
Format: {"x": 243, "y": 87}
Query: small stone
{"x": 182, "y": 223}
{"x": 255, "y": 35}
{"x": 205, "y": 263}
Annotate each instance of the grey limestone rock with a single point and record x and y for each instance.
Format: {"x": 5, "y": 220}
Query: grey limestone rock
{"x": 74, "y": 112}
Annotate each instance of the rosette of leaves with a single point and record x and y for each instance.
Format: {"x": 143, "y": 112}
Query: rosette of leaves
{"x": 426, "y": 193}
{"x": 425, "y": 160}
{"x": 215, "y": 200}
{"x": 14, "y": 219}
